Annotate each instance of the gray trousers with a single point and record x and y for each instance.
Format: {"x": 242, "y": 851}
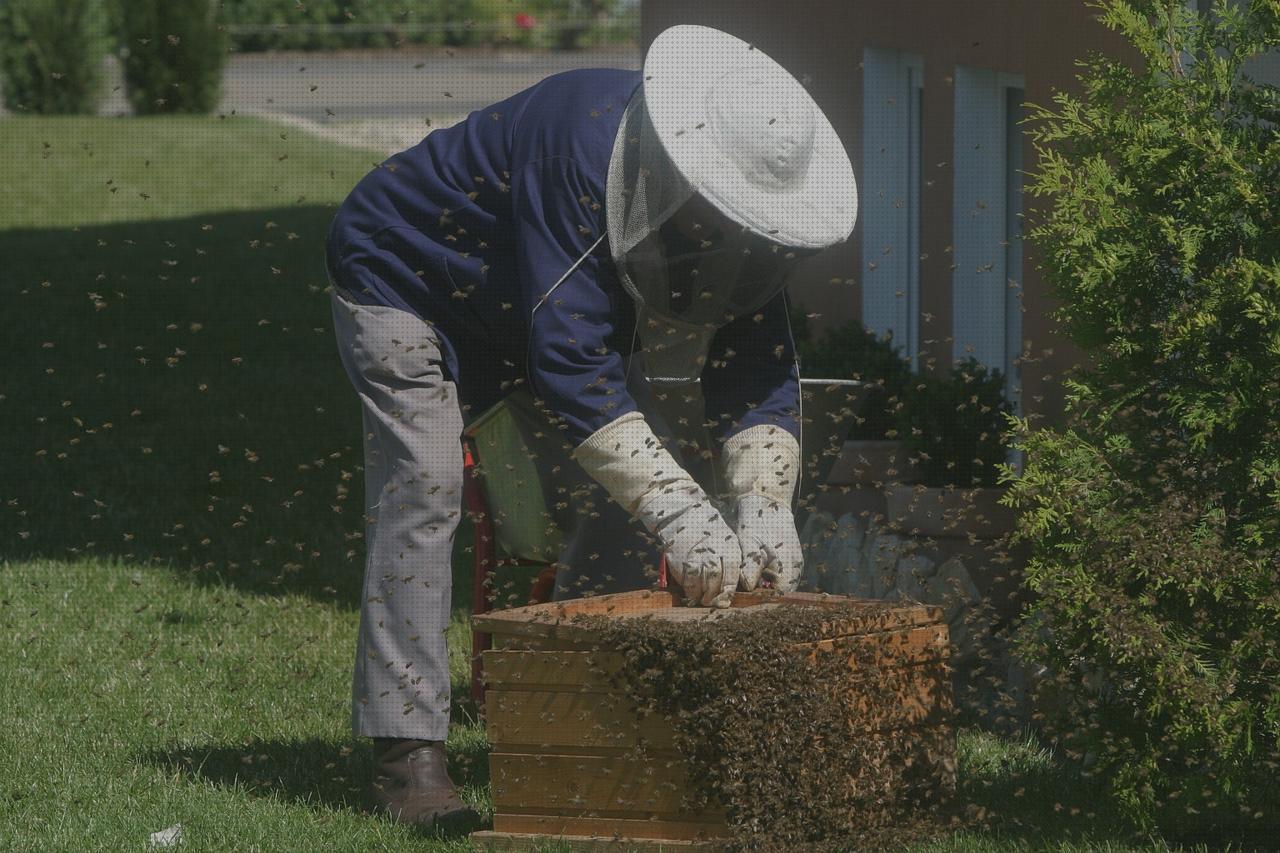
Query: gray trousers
{"x": 413, "y": 424}
{"x": 413, "y": 500}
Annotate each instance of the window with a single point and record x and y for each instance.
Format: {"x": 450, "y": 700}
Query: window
{"x": 889, "y": 196}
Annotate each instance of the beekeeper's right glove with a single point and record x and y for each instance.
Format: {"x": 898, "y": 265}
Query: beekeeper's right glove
{"x": 703, "y": 553}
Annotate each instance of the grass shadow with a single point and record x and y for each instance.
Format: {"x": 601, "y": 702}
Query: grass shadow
{"x": 1042, "y": 801}
{"x": 1019, "y": 790}
{"x": 317, "y": 773}
{"x": 173, "y": 396}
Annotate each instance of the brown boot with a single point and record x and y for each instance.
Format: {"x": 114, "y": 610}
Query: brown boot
{"x": 411, "y": 784}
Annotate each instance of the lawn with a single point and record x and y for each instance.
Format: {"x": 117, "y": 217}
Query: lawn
{"x": 180, "y": 511}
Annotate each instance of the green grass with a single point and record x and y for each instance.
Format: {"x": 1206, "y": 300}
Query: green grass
{"x": 75, "y": 171}
{"x": 171, "y": 379}
{"x": 180, "y": 511}
{"x": 135, "y": 700}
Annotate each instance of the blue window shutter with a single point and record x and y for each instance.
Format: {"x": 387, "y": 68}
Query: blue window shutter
{"x": 986, "y": 227}
{"x": 889, "y": 196}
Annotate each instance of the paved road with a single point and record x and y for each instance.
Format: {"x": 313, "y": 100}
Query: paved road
{"x": 387, "y": 101}
{"x": 379, "y": 100}
{"x": 351, "y": 86}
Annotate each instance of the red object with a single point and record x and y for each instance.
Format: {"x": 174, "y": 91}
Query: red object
{"x": 525, "y": 21}
{"x": 485, "y": 555}
{"x": 544, "y": 585}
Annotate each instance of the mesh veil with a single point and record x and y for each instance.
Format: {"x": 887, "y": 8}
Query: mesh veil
{"x": 643, "y": 188}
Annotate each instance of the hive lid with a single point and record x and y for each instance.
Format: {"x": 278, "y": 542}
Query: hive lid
{"x": 558, "y": 619}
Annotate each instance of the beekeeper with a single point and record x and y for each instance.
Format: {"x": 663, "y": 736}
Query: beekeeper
{"x": 597, "y": 228}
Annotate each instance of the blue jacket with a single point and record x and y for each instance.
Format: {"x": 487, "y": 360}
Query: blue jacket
{"x": 468, "y": 228}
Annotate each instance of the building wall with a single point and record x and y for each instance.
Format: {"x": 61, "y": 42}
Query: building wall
{"x": 822, "y": 42}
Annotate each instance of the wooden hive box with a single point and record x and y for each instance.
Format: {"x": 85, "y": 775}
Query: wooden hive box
{"x": 563, "y": 763}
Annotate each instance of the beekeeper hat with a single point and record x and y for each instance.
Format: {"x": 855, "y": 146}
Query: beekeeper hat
{"x": 747, "y": 136}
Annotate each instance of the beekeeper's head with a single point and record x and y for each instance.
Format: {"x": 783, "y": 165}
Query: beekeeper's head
{"x": 724, "y": 175}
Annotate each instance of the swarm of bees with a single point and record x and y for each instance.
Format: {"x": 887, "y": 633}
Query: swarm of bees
{"x": 798, "y": 749}
{"x": 160, "y": 416}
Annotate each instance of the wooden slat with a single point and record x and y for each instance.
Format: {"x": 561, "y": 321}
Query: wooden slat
{"x": 567, "y": 720}
{"x": 519, "y": 667}
{"x": 539, "y": 619}
{"x": 700, "y": 614}
{"x": 516, "y": 669}
{"x": 536, "y": 643}
{"x": 903, "y": 646}
{"x": 526, "y": 841}
{"x": 878, "y": 615}
{"x": 877, "y": 619}
{"x": 609, "y": 827}
{"x": 556, "y": 720}
{"x": 655, "y": 784}
{"x": 577, "y": 784}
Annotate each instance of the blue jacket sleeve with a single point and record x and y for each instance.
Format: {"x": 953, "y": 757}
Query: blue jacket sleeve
{"x": 572, "y": 366}
{"x": 751, "y": 377}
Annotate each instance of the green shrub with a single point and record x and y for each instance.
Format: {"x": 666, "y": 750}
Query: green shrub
{"x": 174, "y": 51}
{"x": 460, "y": 18}
{"x": 850, "y": 351}
{"x": 336, "y": 24}
{"x": 953, "y": 427}
{"x": 278, "y": 21}
{"x": 328, "y": 24}
{"x": 51, "y": 55}
{"x": 1153, "y": 519}
{"x": 1162, "y": 637}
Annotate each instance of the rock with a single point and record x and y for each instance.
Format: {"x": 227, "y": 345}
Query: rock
{"x": 858, "y": 575}
{"x": 863, "y": 585}
{"x": 881, "y": 562}
{"x": 815, "y": 540}
{"x": 913, "y": 571}
{"x": 924, "y": 568}
{"x": 840, "y": 555}
{"x": 952, "y": 589}
{"x": 846, "y": 561}
{"x": 815, "y": 525}
{"x": 1017, "y": 683}
{"x": 960, "y": 636}
{"x": 837, "y": 561}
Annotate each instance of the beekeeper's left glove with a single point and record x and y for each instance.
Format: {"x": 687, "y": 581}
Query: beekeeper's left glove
{"x": 703, "y": 552}
{"x": 761, "y": 465}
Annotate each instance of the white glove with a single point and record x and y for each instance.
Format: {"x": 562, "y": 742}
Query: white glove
{"x": 703, "y": 553}
{"x": 761, "y": 466}
{"x": 770, "y": 543}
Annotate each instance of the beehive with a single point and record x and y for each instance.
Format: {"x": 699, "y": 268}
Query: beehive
{"x": 564, "y": 762}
